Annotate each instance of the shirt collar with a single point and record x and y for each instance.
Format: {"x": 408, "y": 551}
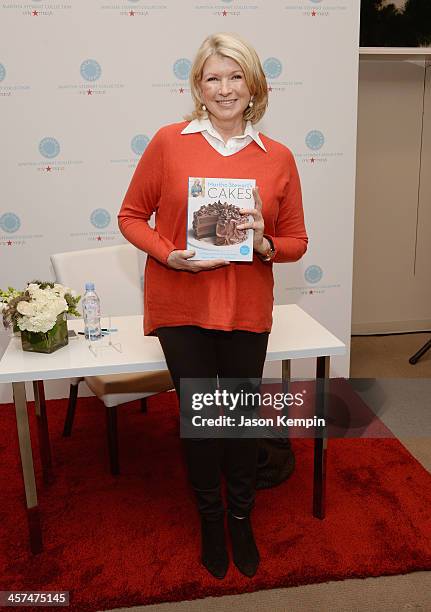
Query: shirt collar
{"x": 205, "y": 125}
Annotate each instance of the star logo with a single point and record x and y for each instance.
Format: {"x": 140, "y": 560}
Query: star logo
{"x": 132, "y": 13}
{"x": 9, "y": 243}
{"x": 89, "y": 92}
{"x": 270, "y": 88}
{"x": 312, "y": 160}
{"x": 35, "y": 13}
{"x": 48, "y": 168}
{"x": 181, "y": 90}
{"x": 224, "y": 13}
{"x": 99, "y": 238}
{"x": 311, "y": 293}
{"x": 313, "y": 13}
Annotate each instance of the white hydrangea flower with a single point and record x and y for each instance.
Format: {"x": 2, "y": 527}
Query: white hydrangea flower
{"x": 40, "y": 314}
{"x": 26, "y": 308}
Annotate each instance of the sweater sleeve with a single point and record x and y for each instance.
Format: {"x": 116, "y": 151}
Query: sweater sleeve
{"x": 290, "y": 239}
{"x": 141, "y": 200}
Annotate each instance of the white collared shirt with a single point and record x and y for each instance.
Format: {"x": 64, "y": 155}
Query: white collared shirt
{"x": 233, "y": 145}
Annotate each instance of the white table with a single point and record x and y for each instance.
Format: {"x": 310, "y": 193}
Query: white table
{"x": 295, "y": 335}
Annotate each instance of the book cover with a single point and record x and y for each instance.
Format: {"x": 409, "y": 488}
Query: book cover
{"x": 213, "y": 215}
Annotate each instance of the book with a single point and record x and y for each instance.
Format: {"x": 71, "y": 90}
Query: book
{"x": 213, "y": 215}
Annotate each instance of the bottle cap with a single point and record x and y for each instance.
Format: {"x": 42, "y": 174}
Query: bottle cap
{"x": 89, "y": 286}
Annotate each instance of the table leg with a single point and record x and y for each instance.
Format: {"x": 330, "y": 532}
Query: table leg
{"x": 20, "y": 400}
{"x": 43, "y": 432}
{"x": 320, "y": 442}
{"x": 285, "y": 381}
{"x": 285, "y": 372}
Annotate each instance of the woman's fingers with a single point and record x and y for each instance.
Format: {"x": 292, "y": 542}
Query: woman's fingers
{"x": 257, "y": 200}
{"x": 207, "y": 265}
{"x": 179, "y": 260}
{"x": 186, "y": 254}
{"x": 253, "y": 212}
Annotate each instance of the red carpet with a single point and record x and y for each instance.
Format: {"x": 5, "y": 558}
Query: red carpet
{"x": 134, "y": 539}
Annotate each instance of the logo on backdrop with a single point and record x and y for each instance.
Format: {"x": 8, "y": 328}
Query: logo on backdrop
{"x": 49, "y": 149}
{"x": 90, "y": 70}
{"x": 315, "y": 150}
{"x": 49, "y": 8}
{"x": 101, "y": 220}
{"x": 313, "y": 276}
{"x": 229, "y": 8}
{"x": 273, "y": 69}
{"x": 10, "y": 223}
{"x": 314, "y": 8}
{"x": 138, "y": 144}
{"x": 315, "y": 140}
{"x": 180, "y": 69}
{"x": 7, "y": 88}
{"x": 91, "y": 83}
{"x": 133, "y": 8}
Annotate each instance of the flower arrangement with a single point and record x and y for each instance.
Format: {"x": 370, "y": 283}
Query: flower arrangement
{"x": 37, "y": 307}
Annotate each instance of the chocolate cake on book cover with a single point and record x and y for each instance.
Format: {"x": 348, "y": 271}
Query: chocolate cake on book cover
{"x": 219, "y": 221}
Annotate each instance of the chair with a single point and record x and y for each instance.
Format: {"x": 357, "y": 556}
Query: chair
{"x": 115, "y": 271}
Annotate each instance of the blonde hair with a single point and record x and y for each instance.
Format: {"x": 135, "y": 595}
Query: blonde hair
{"x": 232, "y": 46}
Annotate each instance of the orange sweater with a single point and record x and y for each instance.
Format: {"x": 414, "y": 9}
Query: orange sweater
{"x": 237, "y": 296}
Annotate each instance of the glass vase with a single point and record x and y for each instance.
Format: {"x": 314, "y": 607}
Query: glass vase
{"x": 46, "y": 342}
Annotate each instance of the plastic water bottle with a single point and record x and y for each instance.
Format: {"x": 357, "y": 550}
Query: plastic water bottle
{"x": 91, "y": 312}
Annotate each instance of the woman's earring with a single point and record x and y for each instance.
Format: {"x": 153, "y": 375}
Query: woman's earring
{"x": 204, "y": 107}
{"x": 250, "y": 104}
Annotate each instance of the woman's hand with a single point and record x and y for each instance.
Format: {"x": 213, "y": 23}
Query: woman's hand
{"x": 179, "y": 260}
{"x": 260, "y": 244}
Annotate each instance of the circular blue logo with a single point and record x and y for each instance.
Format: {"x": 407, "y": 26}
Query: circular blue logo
{"x": 2, "y": 72}
{"x": 182, "y": 68}
{"x": 227, "y": 1}
{"x": 272, "y": 68}
{"x": 139, "y": 143}
{"x": 316, "y": 1}
{"x": 100, "y": 218}
{"x": 313, "y": 274}
{"x": 244, "y": 250}
{"x": 10, "y": 222}
{"x": 314, "y": 140}
{"x": 90, "y": 70}
{"x": 49, "y": 147}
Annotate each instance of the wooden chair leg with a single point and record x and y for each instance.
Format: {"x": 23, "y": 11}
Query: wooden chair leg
{"x": 111, "y": 422}
{"x": 144, "y": 405}
{"x": 68, "y": 423}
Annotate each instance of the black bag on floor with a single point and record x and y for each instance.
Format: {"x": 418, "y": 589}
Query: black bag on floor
{"x": 275, "y": 462}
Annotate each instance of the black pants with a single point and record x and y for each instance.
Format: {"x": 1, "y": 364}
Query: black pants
{"x": 195, "y": 352}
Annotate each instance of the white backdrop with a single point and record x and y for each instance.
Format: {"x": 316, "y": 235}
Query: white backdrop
{"x": 84, "y": 85}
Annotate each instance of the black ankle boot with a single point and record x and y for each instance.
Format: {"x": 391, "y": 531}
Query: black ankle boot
{"x": 245, "y": 554}
{"x": 214, "y": 553}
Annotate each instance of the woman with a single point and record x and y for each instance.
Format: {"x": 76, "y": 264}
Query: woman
{"x": 213, "y": 318}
